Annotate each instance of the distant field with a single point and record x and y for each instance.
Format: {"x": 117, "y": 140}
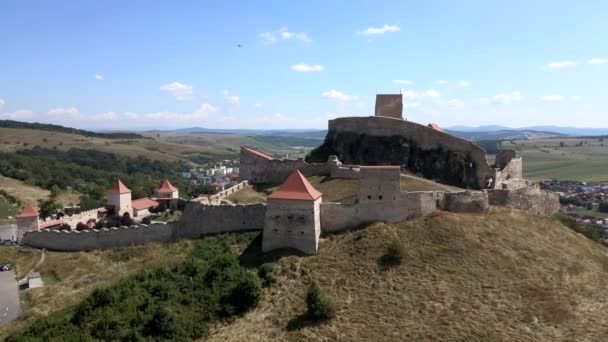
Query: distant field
{"x": 578, "y": 159}
{"x": 28, "y": 193}
{"x": 6, "y": 210}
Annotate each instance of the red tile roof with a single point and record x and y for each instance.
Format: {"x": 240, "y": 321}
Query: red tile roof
{"x": 257, "y": 152}
{"x": 381, "y": 167}
{"x": 28, "y": 211}
{"x": 166, "y": 186}
{"x": 50, "y": 224}
{"x": 119, "y": 188}
{"x": 296, "y": 187}
{"x": 143, "y": 203}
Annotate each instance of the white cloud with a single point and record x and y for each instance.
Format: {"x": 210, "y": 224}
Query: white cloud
{"x": 21, "y": 114}
{"x": 283, "y": 34}
{"x": 337, "y": 95}
{"x": 441, "y": 82}
{"x": 552, "y": 98}
{"x": 455, "y": 103}
{"x": 412, "y": 104}
{"x": 598, "y": 61}
{"x": 180, "y": 91}
{"x": 99, "y": 77}
{"x": 406, "y": 82}
{"x": 561, "y": 64}
{"x": 131, "y": 115}
{"x": 307, "y": 67}
{"x": 577, "y": 98}
{"x": 463, "y": 83}
{"x": 231, "y": 98}
{"x": 2, "y": 103}
{"x": 258, "y": 105}
{"x": 503, "y": 99}
{"x": 72, "y": 112}
{"x": 380, "y": 30}
{"x": 412, "y": 94}
{"x": 201, "y": 113}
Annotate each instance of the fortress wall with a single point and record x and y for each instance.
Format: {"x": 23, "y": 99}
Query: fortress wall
{"x": 465, "y": 202}
{"x": 345, "y": 172}
{"x": 388, "y": 141}
{"x": 260, "y": 170}
{"x": 336, "y": 217}
{"x": 225, "y": 193}
{"x": 87, "y": 240}
{"x": 531, "y": 199}
{"x": 199, "y": 219}
{"x": 82, "y": 217}
{"x": 292, "y": 224}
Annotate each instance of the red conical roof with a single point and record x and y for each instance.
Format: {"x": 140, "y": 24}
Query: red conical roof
{"x": 119, "y": 188}
{"x": 166, "y": 186}
{"x": 28, "y": 211}
{"x": 296, "y": 187}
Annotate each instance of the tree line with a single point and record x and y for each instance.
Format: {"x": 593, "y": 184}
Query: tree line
{"x": 63, "y": 129}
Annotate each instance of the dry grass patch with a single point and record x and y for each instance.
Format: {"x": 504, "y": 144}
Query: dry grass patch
{"x": 504, "y": 276}
{"x": 29, "y": 193}
{"x": 247, "y": 195}
{"x": 22, "y": 258}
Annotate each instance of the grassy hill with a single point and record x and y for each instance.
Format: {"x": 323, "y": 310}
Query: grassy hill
{"x": 504, "y": 276}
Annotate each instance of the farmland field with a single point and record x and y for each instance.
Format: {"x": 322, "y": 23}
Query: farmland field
{"x": 577, "y": 159}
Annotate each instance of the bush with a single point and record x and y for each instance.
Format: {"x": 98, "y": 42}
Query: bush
{"x": 395, "y": 252}
{"x": 146, "y": 220}
{"x": 320, "y": 307}
{"x": 603, "y": 207}
{"x": 266, "y": 273}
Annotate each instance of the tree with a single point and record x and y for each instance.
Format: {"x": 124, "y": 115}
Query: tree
{"x": 126, "y": 219}
{"x": 55, "y": 191}
{"x": 81, "y": 226}
{"x": 320, "y": 307}
{"x": 47, "y": 207}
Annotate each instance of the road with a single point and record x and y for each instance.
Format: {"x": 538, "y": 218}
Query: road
{"x": 9, "y": 297}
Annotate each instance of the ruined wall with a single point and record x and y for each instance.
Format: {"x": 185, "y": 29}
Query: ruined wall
{"x": 389, "y": 105}
{"x": 199, "y": 219}
{"x": 508, "y": 173}
{"x": 531, "y": 199}
{"x": 465, "y": 202}
{"x": 420, "y": 149}
{"x": 260, "y": 170}
{"x": 87, "y": 240}
{"x": 292, "y": 224}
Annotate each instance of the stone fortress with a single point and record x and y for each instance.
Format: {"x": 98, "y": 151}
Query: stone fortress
{"x": 377, "y": 149}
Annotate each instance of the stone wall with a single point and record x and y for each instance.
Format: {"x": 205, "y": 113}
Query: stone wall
{"x": 87, "y": 240}
{"x": 82, "y": 217}
{"x": 337, "y": 217}
{"x": 200, "y": 219}
{"x": 420, "y": 149}
{"x": 465, "y": 202}
{"x": 531, "y": 199}
{"x": 508, "y": 173}
{"x": 259, "y": 169}
{"x": 292, "y": 224}
{"x": 390, "y": 105}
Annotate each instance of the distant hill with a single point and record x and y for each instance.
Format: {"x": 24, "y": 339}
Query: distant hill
{"x": 290, "y": 132}
{"x": 575, "y": 131}
{"x": 503, "y": 134}
{"x": 63, "y": 129}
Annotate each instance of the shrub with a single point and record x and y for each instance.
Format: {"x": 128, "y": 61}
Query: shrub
{"x": 266, "y": 273}
{"x": 603, "y": 207}
{"x": 146, "y": 220}
{"x": 320, "y": 307}
{"x": 395, "y": 252}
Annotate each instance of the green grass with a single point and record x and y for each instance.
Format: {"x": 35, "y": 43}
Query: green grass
{"x": 545, "y": 159}
{"x": 6, "y": 210}
{"x": 592, "y": 213}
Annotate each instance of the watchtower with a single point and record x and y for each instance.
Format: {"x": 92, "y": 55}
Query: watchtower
{"x": 119, "y": 197}
{"x": 389, "y": 105}
{"x": 27, "y": 220}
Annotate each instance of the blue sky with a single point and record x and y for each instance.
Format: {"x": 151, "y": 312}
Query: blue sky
{"x": 168, "y": 64}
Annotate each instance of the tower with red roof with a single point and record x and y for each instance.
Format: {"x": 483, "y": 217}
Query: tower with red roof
{"x": 27, "y": 220}
{"x": 293, "y": 217}
{"x": 119, "y": 198}
{"x": 166, "y": 190}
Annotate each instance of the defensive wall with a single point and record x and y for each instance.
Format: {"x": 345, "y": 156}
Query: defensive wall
{"x": 217, "y": 198}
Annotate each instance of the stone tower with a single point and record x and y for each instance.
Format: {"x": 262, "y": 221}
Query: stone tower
{"x": 119, "y": 197}
{"x": 27, "y": 220}
{"x": 293, "y": 216}
{"x": 389, "y": 105}
{"x": 167, "y": 190}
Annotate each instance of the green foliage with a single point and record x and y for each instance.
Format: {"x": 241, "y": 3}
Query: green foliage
{"x": 165, "y": 304}
{"x": 603, "y": 207}
{"x": 9, "y": 197}
{"x": 395, "y": 252}
{"x": 266, "y": 273}
{"x": 320, "y": 306}
{"x": 491, "y": 146}
{"x": 90, "y": 172}
{"x": 47, "y": 208}
{"x": 591, "y": 231}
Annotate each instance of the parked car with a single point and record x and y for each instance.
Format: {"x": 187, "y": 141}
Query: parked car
{"x": 5, "y": 267}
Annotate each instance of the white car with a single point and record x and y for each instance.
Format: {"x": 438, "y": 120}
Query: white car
{"x": 5, "y": 267}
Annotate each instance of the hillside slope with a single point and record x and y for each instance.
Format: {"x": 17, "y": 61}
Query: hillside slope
{"x": 504, "y": 276}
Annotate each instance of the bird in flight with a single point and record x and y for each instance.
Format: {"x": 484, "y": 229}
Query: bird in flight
{"x": 239, "y": 45}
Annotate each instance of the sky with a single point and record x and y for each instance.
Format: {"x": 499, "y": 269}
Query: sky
{"x": 133, "y": 65}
